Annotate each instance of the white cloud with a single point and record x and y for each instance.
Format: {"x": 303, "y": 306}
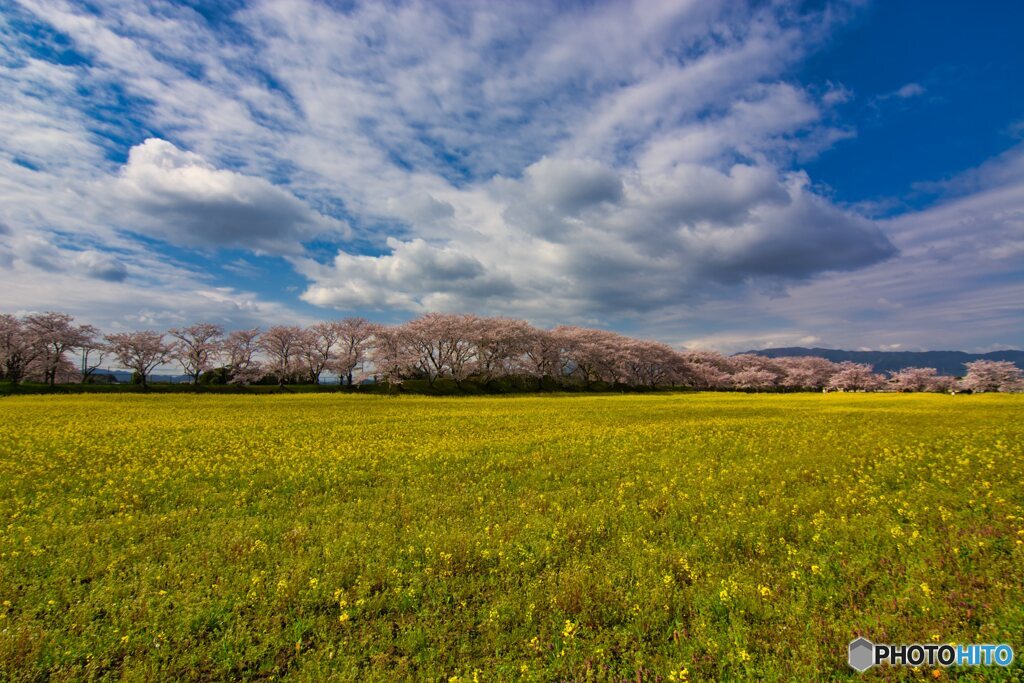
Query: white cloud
{"x": 904, "y": 92}
{"x": 415, "y": 276}
{"x": 959, "y": 280}
{"x": 179, "y": 197}
{"x": 100, "y": 266}
{"x": 37, "y": 252}
{"x": 604, "y": 162}
{"x": 910, "y": 90}
{"x": 578, "y": 240}
{"x": 836, "y": 93}
{"x": 420, "y": 207}
{"x": 152, "y": 296}
{"x": 570, "y": 186}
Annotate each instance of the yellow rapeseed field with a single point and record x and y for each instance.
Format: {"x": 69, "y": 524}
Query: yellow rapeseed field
{"x": 666, "y": 537}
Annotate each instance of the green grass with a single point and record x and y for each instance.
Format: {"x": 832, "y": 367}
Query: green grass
{"x": 589, "y": 537}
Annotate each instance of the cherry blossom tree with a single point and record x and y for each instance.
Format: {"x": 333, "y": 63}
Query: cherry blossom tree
{"x": 541, "y": 356}
{"x": 754, "y": 372}
{"x": 355, "y": 336}
{"x": 753, "y": 378}
{"x": 915, "y": 379}
{"x": 805, "y": 372}
{"x": 855, "y": 377}
{"x": 239, "y": 350}
{"x": 592, "y": 354}
{"x": 708, "y": 370}
{"x": 444, "y": 345}
{"x": 197, "y": 348}
{"x": 18, "y": 349}
{"x": 55, "y": 334}
{"x": 993, "y": 375}
{"x": 651, "y": 364}
{"x": 396, "y": 355}
{"x": 500, "y": 345}
{"x": 281, "y": 345}
{"x": 93, "y": 351}
{"x": 944, "y": 383}
{"x": 140, "y": 351}
{"x": 67, "y": 372}
{"x": 316, "y": 349}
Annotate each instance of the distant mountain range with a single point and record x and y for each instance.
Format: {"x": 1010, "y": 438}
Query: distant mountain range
{"x": 946, "y": 362}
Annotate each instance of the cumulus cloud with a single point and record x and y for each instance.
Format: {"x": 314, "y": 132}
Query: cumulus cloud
{"x": 674, "y": 239}
{"x": 554, "y": 196}
{"x": 179, "y": 197}
{"x": 420, "y": 208}
{"x": 37, "y": 252}
{"x": 570, "y": 186}
{"x": 42, "y": 254}
{"x": 794, "y": 239}
{"x": 583, "y": 240}
{"x": 957, "y": 279}
{"x": 100, "y": 266}
{"x": 412, "y": 276}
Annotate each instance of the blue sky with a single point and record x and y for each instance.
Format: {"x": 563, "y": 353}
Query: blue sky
{"x": 967, "y": 61}
{"x": 710, "y": 174}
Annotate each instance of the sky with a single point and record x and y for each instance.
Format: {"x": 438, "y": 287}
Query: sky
{"x": 711, "y": 174}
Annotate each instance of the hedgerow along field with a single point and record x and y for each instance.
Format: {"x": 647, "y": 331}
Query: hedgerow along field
{"x": 662, "y": 537}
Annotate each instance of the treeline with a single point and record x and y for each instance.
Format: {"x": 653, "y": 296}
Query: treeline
{"x": 437, "y": 346}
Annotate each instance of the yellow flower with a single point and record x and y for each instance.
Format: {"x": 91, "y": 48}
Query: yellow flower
{"x": 569, "y": 630}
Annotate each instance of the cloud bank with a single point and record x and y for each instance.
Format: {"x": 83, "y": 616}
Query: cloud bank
{"x": 179, "y": 197}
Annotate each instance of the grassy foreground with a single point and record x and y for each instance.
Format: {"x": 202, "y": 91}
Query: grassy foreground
{"x": 661, "y": 537}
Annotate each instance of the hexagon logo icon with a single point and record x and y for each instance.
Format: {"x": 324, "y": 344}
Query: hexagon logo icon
{"x": 862, "y": 654}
